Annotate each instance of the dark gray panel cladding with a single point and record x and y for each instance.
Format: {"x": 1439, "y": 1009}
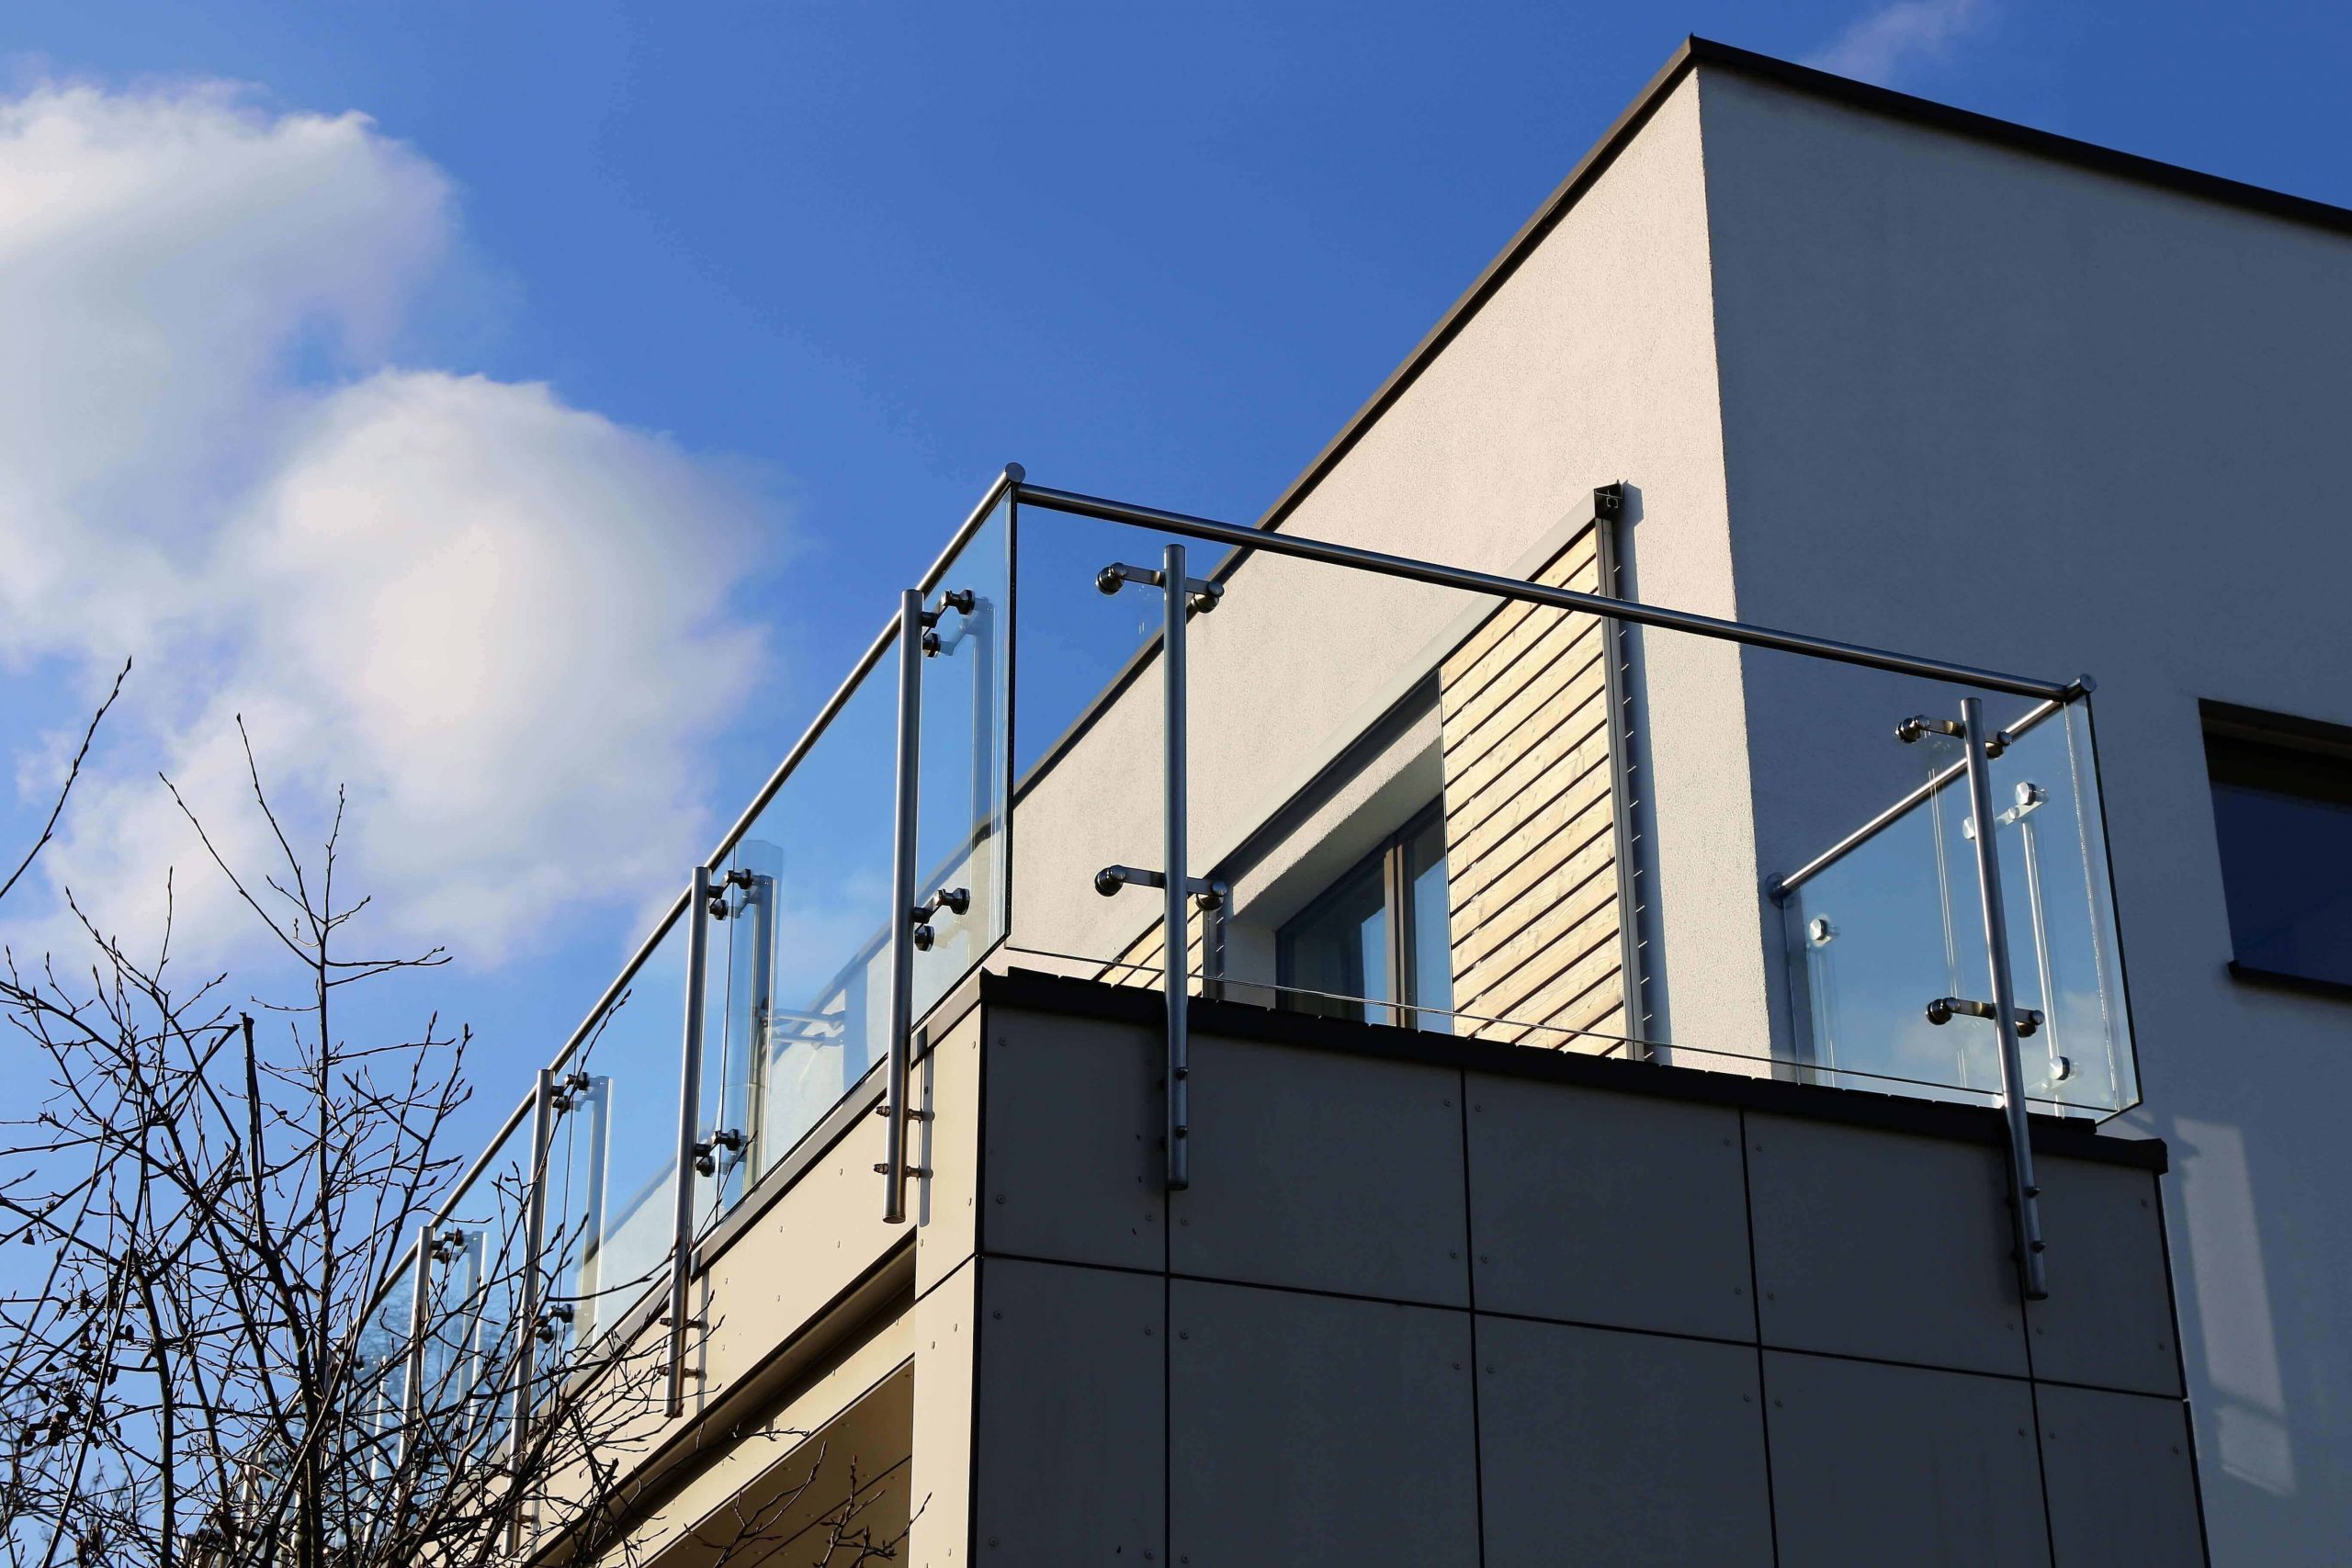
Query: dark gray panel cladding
{"x": 2122, "y": 1491}
{"x": 1877, "y": 1244}
{"x": 2109, "y": 1318}
{"x": 1315, "y": 1429}
{"x": 1071, "y": 1168}
{"x": 1602, "y": 1447}
{"x": 1874, "y": 1465}
{"x": 1069, "y": 1467}
{"x": 1326, "y": 1180}
{"x": 1608, "y": 1208}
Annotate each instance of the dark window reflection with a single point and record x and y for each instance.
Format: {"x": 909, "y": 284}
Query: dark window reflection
{"x": 2283, "y": 814}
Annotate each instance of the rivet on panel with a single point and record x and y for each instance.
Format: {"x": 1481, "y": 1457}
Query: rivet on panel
{"x": 999, "y": 1316}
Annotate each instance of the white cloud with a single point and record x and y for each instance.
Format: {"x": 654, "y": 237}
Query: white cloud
{"x": 1882, "y": 45}
{"x": 504, "y": 622}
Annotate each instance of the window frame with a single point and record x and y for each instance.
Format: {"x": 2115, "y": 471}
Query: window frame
{"x": 1390, "y": 855}
{"x": 2300, "y": 739}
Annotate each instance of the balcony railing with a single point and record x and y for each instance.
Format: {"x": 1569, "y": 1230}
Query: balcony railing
{"x": 1618, "y": 782}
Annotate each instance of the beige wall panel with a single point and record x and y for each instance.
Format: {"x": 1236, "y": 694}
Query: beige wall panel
{"x": 809, "y": 1245}
{"x": 946, "y": 1349}
{"x": 946, "y": 1208}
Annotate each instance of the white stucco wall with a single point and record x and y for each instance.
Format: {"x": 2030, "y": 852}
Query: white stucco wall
{"x": 1593, "y": 362}
{"x": 1994, "y": 408}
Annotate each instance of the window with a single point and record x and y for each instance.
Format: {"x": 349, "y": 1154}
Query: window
{"x": 1385, "y": 921}
{"x": 2282, "y": 811}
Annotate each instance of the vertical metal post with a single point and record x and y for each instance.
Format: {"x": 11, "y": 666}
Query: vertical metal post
{"x": 1608, "y": 516}
{"x": 412, "y": 1396}
{"x": 902, "y": 905}
{"x": 2024, "y": 1193}
{"x": 1176, "y": 932}
{"x": 681, "y": 1240}
{"x": 527, "y": 1315}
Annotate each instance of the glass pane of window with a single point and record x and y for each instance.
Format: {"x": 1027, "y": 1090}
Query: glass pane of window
{"x": 2284, "y": 818}
{"x": 1337, "y": 948}
{"x": 1431, "y": 926}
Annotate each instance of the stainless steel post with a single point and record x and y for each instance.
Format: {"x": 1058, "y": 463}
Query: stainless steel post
{"x": 682, "y": 1241}
{"x": 1176, "y": 932}
{"x": 2024, "y": 1193}
{"x": 902, "y": 904}
{"x": 412, "y": 1396}
{"x": 527, "y": 1315}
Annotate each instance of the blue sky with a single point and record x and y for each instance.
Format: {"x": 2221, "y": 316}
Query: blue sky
{"x": 740, "y": 306}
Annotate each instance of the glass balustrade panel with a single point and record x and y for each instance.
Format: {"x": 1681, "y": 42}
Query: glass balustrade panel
{"x": 799, "y": 947}
{"x": 961, "y": 844}
{"x": 612, "y": 1160}
{"x": 476, "y": 1282}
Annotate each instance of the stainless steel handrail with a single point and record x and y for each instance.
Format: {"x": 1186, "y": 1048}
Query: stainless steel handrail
{"x": 1243, "y": 538}
{"x": 1780, "y": 887}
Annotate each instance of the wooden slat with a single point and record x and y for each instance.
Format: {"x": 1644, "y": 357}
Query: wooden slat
{"x": 1508, "y": 972}
{"x": 1526, "y": 819}
{"x": 1531, "y": 856}
{"x": 1549, "y": 759}
{"x": 1521, "y": 627}
{"x": 1572, "y": 825}
{"x": 1545, "y": 997}
{"x": 1577, "y": 565}
{"x": 1520, "y": 902}
{"x": 1530, "y": 712}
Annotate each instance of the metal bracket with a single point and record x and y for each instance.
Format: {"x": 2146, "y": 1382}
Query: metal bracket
{"x": 731, "y": 1139}
{"x": 547, "y": 1330}
{"x": 955, "y": 900}
{"x": 1211, "y": 892}
{"x": 566, "y": 1094}
{"x": 1943, "y": 1010}
{"x": 1919, "y": 724}
{"x": 1204, "y": 595}
{"x": 737, "y": 878}
{"x": 2031, "y": 797}
{"x": 963, "y": 601}
{"x": 448, "y": 1246}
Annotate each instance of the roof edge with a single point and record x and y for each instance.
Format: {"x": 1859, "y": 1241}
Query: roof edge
{"x": 1694, "y": 52}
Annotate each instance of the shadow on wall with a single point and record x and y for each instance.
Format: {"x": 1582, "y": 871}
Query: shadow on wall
{"x": 2250, "y": 1435}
